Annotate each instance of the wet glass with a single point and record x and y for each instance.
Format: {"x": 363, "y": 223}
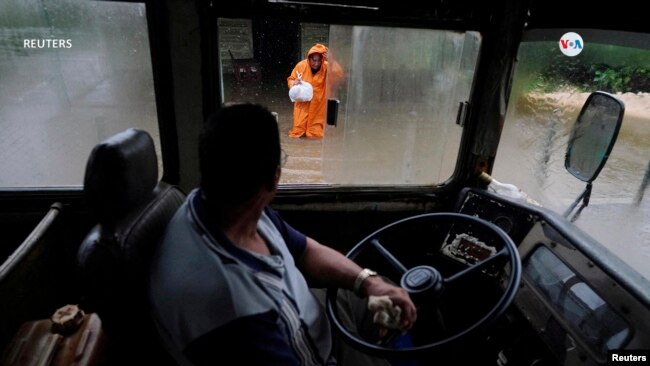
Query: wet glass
{"x": 72, "y": 73}
{"x": 283, "y": 158}
{"x": 397, "y": 117}
{"x": 398, "y": 100}
{"x": 541, "y": 113}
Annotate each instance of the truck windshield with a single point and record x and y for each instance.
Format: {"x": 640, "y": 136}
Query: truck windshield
{"x": 399, "y": 93}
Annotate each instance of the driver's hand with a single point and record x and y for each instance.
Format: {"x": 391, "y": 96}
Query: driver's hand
{"x": 376, "y": 286}
{"x": 385, "y": 314}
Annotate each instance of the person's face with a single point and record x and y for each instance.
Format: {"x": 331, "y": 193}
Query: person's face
{"x": 315, "y": 60}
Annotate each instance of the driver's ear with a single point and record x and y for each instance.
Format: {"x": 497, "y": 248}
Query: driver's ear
{"x": 278, "y": 174}
{"x": 273, "y": 186}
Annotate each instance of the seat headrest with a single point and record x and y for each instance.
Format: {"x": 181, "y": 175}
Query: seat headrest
{"x": 121, "y": 173}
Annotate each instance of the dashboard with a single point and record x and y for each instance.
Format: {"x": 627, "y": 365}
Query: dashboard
{"x": 581, "y": 300}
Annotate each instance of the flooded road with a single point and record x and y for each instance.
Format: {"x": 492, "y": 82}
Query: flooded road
{"x": 534, "y": 141}
{"x": 531, "y": 155}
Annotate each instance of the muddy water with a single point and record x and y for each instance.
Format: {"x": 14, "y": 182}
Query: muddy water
{"x": 531, "y": 155}
{"x": 534, "y": 141}
{"x": 304, "y": 164}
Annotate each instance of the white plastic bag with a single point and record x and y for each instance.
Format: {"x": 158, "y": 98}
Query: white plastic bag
{"x": 302, "y": 92}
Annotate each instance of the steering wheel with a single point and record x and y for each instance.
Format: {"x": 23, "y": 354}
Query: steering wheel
{"x": 426, "y": 285}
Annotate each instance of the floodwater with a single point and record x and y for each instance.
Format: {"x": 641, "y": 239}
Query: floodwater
{"x": 531, "y": 156}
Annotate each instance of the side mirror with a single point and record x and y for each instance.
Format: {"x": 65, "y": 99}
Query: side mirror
{"x": 592, "y": 139}
{"x": 593, "y": 135}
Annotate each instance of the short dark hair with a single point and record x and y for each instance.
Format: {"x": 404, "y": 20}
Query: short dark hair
{"x": 239, "y": 153}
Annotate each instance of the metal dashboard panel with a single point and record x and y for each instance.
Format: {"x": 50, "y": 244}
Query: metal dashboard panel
{"x": 508, "y": 215}
{"x": 569, "y": 338}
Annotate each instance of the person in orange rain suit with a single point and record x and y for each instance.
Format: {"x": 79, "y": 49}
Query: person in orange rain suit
{"x": 309, "y": 117}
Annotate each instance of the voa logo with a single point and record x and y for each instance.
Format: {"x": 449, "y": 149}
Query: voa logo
{"x": 571, "y": 44}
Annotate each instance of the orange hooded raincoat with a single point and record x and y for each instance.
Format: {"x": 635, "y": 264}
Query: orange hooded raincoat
{"x": 309, "y": 117}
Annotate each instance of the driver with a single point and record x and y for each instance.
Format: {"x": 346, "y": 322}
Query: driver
{"x": 230, "y": 279}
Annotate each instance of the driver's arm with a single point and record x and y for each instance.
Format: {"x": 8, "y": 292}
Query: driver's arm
{"x": 328, "y": 267}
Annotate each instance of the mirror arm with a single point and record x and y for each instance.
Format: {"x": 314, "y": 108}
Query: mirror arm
{"x": 584, "y": 197}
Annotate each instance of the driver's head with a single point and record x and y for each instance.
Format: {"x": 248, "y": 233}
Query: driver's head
{"x": 239, "y": 153}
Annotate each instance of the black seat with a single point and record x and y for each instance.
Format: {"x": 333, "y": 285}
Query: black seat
{"x": 132, "y": 208}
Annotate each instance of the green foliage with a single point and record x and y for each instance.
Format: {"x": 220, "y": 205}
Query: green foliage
{"x": 623, "y": 79}
{"x": 624, "y": 70}
{"x": 596, "y": 77}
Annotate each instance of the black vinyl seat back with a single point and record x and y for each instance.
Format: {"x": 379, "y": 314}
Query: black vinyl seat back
{"x": 132, "y": 208}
